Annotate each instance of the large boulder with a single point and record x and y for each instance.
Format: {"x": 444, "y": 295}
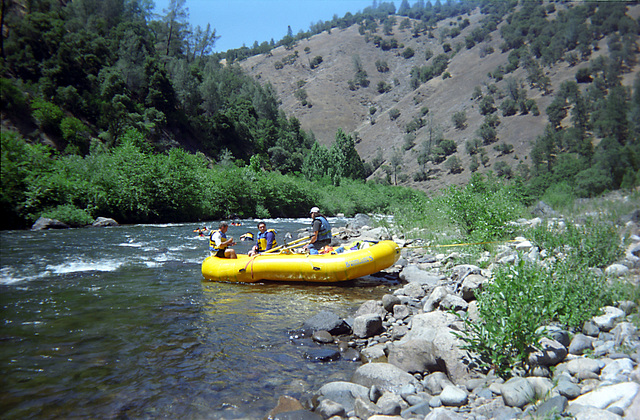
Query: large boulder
{"x": 437, "y": 327}
{"x": 385, "y": 376}
{"x": 415, "y": 356}
{"x": 44, "y": 223}
{"x": 413, "y": 274}
{"x": 104, "y": 222}
{"x": 344, "y": 393}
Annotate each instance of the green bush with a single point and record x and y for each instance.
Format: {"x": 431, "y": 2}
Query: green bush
{"x": 47, "y": 114}
{"x": 519, "y": 300}
{"x": 483, "y": 209}
{"x": 69, "y": 214}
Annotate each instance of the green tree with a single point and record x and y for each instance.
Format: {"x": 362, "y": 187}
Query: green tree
{"x": 346, "y": 160}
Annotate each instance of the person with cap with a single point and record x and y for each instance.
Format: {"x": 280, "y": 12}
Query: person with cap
{"x": 321, "y": 231}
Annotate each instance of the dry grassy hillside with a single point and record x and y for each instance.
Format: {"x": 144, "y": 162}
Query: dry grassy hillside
{"x": 333, "y": 105}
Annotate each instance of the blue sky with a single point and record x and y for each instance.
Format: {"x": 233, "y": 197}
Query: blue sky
{"x": 241, "y": 22}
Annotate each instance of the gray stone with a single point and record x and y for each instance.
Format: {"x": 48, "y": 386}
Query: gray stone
{"x": 359, "y": 221}
{"x": 432, "y": 302}
{"x": 414, "y": 290}
{"x": 580, "y": 343}
{"x": 44, "y": 223}
{"x": 583, "y": 364}
{"x": 579, "y": 412}
{"x": 441, "y": 413}
{"x": 389, "y": 301}
{"x": 608, "y": 320}
{"x": 625, "y": 333}
{"x": 453, "y": 302}
{"x": 616, "y": 270}
{"x": 327, "y": 321}
{"x": 414, "y": 356}
{"x": 552, "y": 408}
{"x": 374, "y": 354}
{"x": 371, "y": 307}
{"x": 104, "y": 222}
{"x": 617, "y": 371}
{"x": 322, "y": 354}
{"x": 471, "y": 284}
{"x": 550, "y": 354}
{"x": 401, "y": 311}
{"x": 419, "y": 410}
{"x": 436, "y": 382}
{"x": 297, "y": 415}
{"x": 322, "y": 337}
{"x": 385, "y": 376}
{"x": 366, "y": 326}
{"x": 517, "y": 392}
{"x": 343, "y": 393}
{"x": 413, "y": 274}
{"x": 453, "y": 396}
{"x": 568, "y": 389}
{"x": 364, "y": 409}
{"x": 590, "y": 328}
{"x": 391, "y": 404}
{"x": 619, "y": 395}
{"x": 438, "y": 327}
{"x": 328, "y": 408}
{"x": 556, "y": 333}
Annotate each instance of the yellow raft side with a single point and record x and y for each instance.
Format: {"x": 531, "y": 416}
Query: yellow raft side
{"x": 325, "y": 268}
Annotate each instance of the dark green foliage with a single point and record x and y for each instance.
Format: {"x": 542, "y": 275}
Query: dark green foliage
{"x": 408, "y": 52}
{"x": 315, "y": 62}
{"x": 459, "y": 120}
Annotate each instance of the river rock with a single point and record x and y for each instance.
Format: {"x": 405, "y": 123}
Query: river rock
{"x": 472, "y": 284}
{"x": 343, "y": 393}
{"x": 453, "y": 396}
{"x": 436, "y": 382}
{"x": 385, "y": 376}
{"x": 551, "y": 408}
{"x": 401, "y": 312}
{"x": 366, "y": 326}
{"x": 327, "y": 321}
{"x": 285, "y": 404}
{"x": 413, "y": 274}
{"x": 550, "y": 354}
{"x": 607, "y": 321}
{"x": 517, "y": 392}
{"x": 391, "y": 404}
{"x": 364, "y": 409}
{"x": 371, "y": 307}
{"x": 616, "y": 270}
{"x": 619, "y": 395}
{"x": 374, "y": 354}
{"x": 568, "y": 389}
{"x": 104, "y": 222}
{"x": 389, "y": 301}
{"x": 44, "y": 223}
{"x": 432, "y": 302}
{"x": 582, "y": 365}
{"x": 415, "y": 356}
{"x": 436, "y": 327}
{"x": 359, "y": 221}
{"x": 328, "y": 408}
{"x": 414, "y": 290}
{"x": 322, "y": 337}
{"x": 297, "y": 415}
{"x": 617, "y": 371}
{"x": 542, "y": 209}
{"x": 441, "y": 413}
{"x": 580, "y": 343}
{"x": 453, "y": 302}
{"x": 322, "y": 354}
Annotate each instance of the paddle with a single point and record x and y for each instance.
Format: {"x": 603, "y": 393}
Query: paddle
{"x": 308, "y": 241}
{"x": 285, "y": 245}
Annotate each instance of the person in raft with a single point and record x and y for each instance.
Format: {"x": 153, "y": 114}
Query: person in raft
{"x": 321, "y": 232}
{"x": 266, "y": 240}
{"x": 219, "y": 243}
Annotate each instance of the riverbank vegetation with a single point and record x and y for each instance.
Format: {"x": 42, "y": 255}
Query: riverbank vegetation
{"x": 560, "y": 284}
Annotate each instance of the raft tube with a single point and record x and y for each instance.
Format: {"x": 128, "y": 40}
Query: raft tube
{"x": 324, "y": 268}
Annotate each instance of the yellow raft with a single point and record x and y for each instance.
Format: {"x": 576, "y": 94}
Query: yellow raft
{"x": 325, "y": 268}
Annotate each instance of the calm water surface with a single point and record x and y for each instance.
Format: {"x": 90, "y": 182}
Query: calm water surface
{"x": 119, "y": 323}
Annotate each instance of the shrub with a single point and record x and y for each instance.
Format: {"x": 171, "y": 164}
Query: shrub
{"x": 70, "y": 215}
{"x": 408, "y": 53}
{"x": 394, "y": 113}
{"x": 47, "y": 114}
{"x": 315, "y": 62}
{"x": 459, "y": 120}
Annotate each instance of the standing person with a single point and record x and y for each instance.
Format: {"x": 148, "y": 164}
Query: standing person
{"x": 219, "y": 243}
{"x": 265, "y": 241}
{"x": 321, "y": 231}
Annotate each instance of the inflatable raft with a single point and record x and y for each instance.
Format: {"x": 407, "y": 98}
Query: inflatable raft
{"x": 325, "y": 268}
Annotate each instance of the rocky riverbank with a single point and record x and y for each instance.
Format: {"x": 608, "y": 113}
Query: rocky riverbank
{"x": 413, "y": 366}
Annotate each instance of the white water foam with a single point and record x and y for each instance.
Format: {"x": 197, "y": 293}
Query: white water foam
{"x": 8, "y": 275}
{"x": 81, "y": 266}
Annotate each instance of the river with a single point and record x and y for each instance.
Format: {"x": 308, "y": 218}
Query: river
{"x": 119, "y": 323}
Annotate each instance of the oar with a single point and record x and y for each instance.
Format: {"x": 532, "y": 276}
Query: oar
{"x": 285, "y": 245}
{"x": 304, "y": 243}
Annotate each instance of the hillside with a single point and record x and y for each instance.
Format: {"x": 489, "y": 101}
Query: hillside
{"x": 334, "y": 105}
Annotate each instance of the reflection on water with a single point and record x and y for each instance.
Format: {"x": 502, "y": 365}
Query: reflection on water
{"x": 118, "y": 322}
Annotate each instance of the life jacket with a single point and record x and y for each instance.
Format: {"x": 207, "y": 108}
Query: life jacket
{"x": 262, "y": 240}
{"x": 212, "y": 244}
{"x": 325, "y": 228}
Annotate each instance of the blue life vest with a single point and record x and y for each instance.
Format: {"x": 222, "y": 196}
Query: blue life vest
{"x": 325, "y": 228}
{"x": 263, "y": 242}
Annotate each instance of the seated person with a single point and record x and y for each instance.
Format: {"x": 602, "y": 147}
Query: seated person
{"x": 321, "y": 232}
{"x": 266, "y": 240}
{"x": 219, "y": 243}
